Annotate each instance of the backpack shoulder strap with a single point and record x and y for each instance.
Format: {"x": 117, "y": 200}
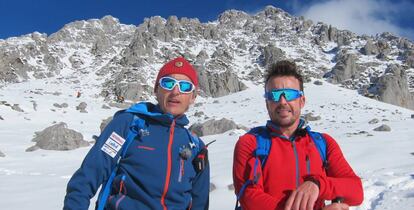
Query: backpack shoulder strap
{"x": 320, "y": 143}
{"x": 261, "y": 153}
{"x": 263, "y": 143}
{"x": 136, "y": 128}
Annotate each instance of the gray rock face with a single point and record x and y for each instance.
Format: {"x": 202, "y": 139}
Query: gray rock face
{"x": 104, "y": 123}
{"x": 58, "y": 137}
{"x": 370, "y": 48}
{"x": 383, "y": 128}
{"x": 392, "y": 87}
{"x": 346, "y": 68}
{"x": 42, "y": 56}
{"x": 82, "y": 107}
{"x": 2, "y": 154}
{"x": 328, "y": 33}
{"x": 374, "y": 121}
{"x": 17, "y": 108}
{"x": 271, "y": 54}
{"x": 310, "y": 117}
{"x": 212, "y": 126}
{"x": 237, "y": 46}
{"x": 129, "y": 84}
{"x": 318, "y": 82}
{"x": 218, "y": 84}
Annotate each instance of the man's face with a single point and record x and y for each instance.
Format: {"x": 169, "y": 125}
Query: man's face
{"x": 284, "y": 113}
{"x": 173, "y": 101}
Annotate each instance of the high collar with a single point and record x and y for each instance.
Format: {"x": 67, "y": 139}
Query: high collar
{"x": 154, "y": 112}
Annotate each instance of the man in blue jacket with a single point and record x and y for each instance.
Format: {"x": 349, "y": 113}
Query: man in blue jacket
{"x": 158, "y": 169}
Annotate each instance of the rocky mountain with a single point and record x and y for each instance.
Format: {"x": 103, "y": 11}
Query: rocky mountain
{"x": 228, "y": 53}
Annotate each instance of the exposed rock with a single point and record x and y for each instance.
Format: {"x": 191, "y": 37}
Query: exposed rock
{"x": 329, "y": 33}
{"x": 373, "y": 121}
{"x": 82, "y": 107}
{"x": 318, "y": 82}
{"x": 2, "y": 154}
{"x": 410, "y": 61}
{"x": 58, "y": 137}
{"x": 392, "y": 87}
{"x": 412, "y": 116}
{"x": 16, "y": 107}
{"x": 104, "y": 106}
{"x": 76, "y": 61}
{"x": 255, "y": 75}
{"x": 198, "y": 104}
{"x": 383, "y": 128}
{"x": 346, "y": 68}
{"x": 309, "y": 117}
{"x": 198, "y": 114}
{"x": 63, "y": 105}
{"x": 370, "y": 48}
{"x": 212, "y": 187}
{"x": 383, "y": 47}
{"x": 1, "y": 118}
{"x": 218, "y": 84}
{"x": 34, "y": 105}
{"x": 202, "y": 56}
{"x": 104, "y": 123}
{"x": 271, "y": 54}
{"x": 230, "y": 187}
{"x": 212, "y": 126}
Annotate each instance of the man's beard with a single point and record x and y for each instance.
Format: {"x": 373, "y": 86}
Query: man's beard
{"x": 282, "y": 123}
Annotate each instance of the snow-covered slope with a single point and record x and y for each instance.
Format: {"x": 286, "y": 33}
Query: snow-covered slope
{"x": 37, "y": 180}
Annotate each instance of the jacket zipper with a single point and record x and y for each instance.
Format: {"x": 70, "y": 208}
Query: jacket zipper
{"x": 307, "y": 165}
{"x": 168, "y": 172}
{"x": 296, "y": 161}
{"x": 121, "y": 186}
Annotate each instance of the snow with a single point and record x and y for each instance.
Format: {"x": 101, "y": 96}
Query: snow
{"x": 37, "y": 180}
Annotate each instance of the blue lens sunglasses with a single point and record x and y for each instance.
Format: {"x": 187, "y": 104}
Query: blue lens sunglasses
{"x": 184, "y": 86}
{"x": 288, "y": 93}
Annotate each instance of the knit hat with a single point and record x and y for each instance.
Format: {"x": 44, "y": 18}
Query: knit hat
{"x": 177, "y": 66}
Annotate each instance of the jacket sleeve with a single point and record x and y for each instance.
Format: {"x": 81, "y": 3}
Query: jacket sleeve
{"x": 254, "y": 196}
{"x": 341, "y": 181}
{"x": 95, "y": 168}
{"x": 201, "y": 188}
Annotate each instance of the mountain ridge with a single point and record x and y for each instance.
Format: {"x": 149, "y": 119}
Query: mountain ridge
{"x": 237, "y": 47}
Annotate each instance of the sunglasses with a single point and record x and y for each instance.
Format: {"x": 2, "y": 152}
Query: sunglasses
{"x": 289, "y": 94}
{"x": 168, "y": 83}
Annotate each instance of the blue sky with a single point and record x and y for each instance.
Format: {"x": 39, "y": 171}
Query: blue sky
{"x": 19, "y": 17}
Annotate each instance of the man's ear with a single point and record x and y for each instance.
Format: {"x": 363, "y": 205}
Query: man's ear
{"x": 303, "y": 101}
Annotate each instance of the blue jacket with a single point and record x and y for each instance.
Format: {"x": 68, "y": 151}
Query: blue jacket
{"x": 152, "y": 175}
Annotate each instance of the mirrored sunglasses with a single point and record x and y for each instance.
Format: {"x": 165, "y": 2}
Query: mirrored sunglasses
{"x": 184, "y": 86}
{"x": 289, "y": 94}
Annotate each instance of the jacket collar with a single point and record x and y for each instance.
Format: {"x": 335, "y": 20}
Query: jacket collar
{"x": 154, "y": 112}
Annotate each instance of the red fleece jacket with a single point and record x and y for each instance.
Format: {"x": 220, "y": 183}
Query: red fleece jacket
{"x": 279, "y": 175}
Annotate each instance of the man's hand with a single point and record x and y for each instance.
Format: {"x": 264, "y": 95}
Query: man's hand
{"x": 337, "y": 206}
{"x": 304, "y": 197}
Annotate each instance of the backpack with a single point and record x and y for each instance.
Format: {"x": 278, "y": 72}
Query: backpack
{"x": 263, "y": 148}
{"x": 136, "y": 128}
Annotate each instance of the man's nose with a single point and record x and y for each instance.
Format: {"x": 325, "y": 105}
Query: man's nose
{"x": 282, "y": 99}
{"x": 175, "y": 90}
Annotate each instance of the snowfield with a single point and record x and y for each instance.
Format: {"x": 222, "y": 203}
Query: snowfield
{"x": 37, "y": 180}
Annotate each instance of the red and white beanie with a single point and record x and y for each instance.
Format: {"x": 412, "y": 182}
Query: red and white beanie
{"x": 177, "y": 66}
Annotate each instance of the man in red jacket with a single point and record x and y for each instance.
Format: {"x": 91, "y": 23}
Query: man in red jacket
{"x": 294, "y": 175}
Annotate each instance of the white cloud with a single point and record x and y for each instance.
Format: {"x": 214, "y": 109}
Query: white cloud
{"x": 360, "y": 16}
